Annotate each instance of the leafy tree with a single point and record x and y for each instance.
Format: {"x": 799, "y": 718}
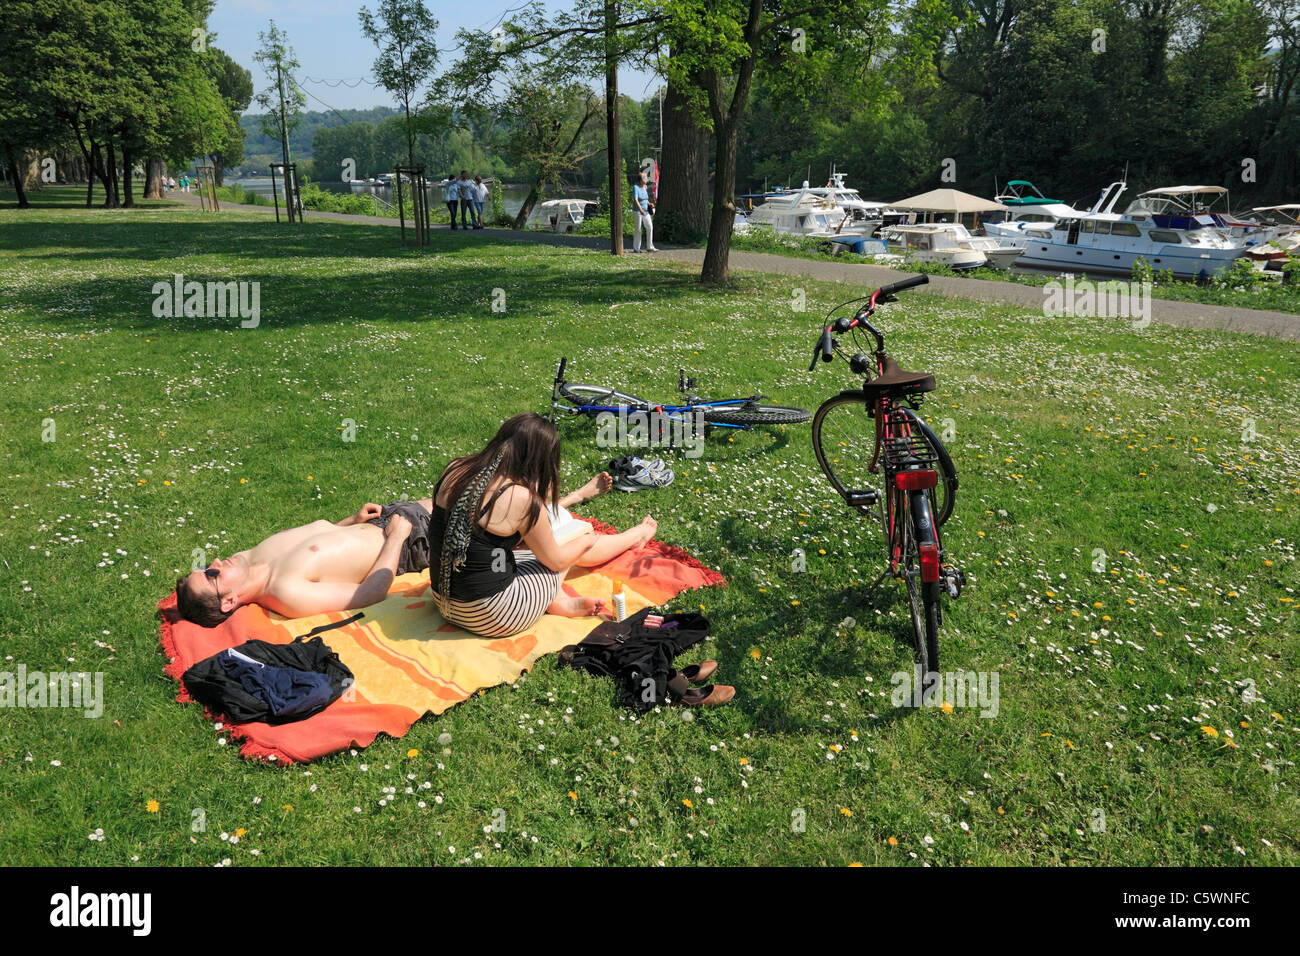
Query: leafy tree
{"x": 235, "y": 85}
{"x": 284, "y": 99}
{"x": 403, "y": 30}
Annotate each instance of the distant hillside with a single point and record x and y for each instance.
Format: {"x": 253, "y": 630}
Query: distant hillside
{"x": 258, "y": 144}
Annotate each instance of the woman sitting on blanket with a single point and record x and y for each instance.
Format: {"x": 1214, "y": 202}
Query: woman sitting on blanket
{"x": 484, "y": 505}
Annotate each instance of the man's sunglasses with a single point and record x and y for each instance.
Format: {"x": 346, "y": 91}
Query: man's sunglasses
{"x": 212, "y": 574}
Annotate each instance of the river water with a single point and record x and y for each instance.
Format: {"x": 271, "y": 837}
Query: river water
{"x": 513, "y": 196}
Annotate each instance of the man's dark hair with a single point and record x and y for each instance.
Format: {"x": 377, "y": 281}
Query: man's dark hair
{"x": 202, "y": 609}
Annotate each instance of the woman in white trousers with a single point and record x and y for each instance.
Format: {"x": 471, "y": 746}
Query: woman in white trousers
{"x": 641, "y": 208}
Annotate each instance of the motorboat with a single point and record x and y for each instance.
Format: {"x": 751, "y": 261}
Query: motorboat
{"x": 934, "y": 243}
{"x": 999, "y": 252}
{"x": 1279, "y": 238}
{"x": 558, "y": 215}
{"x": 1104, "y": 241}
{"x": 1028, "y": 208}
{"x": 805, "y": 213}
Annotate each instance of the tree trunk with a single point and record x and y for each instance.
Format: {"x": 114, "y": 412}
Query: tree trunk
{"x": 112, "y": 175}
{"x": 527, "y": 208}
{"x": 724, "y": 205}
{"x": 17, "y": 177}
{"x": 127, "y": 176}
{"x": 613, "y": 154}
{"x": 684, "y": 174}
{"x": 97, "y": 157}
{"x": 153, "y": 178}
{"x": 218, "y": 170}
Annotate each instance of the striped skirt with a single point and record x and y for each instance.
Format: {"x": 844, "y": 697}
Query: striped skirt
{"x": 517, "y": 608}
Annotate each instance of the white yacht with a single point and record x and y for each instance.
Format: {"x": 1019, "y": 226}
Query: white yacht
{"x": 805, "y": 213}
{"x": 934, "y": 242}
{"x": 1104, "y": 241}
{"x": 558, "y": 215}
{"x": 1029, "y": 208}
{"x": 1279, "y": 235}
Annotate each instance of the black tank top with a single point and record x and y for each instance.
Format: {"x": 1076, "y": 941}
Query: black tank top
{"x": 490, "y": 562}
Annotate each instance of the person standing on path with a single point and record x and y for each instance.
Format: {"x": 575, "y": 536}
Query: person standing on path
{"x": 451, "y": 196}
{"x": 480, "y": 199}
{"x": 467, "y": 193}
{"x": 641, "y": 205}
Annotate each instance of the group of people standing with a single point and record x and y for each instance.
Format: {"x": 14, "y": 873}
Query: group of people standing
{"x": 471, "y": 195}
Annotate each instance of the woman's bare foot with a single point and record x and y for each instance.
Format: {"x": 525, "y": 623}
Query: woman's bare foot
{"x": 645, "y": 530}
{"x": 580, "y": 606}
{"x": 592, "y": 489}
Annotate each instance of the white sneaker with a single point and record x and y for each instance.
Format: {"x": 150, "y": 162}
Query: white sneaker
{"x": 652, "y": 249}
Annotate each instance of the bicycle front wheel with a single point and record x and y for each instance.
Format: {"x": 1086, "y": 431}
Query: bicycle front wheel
{"x": 844, "y": 436}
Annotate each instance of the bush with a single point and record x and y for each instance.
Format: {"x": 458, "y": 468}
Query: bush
{"x": 313, "y": 197}
{"x": 672, "y": 227}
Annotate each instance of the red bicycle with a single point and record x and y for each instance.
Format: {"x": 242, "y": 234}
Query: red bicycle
{"x": 908, "y": 484}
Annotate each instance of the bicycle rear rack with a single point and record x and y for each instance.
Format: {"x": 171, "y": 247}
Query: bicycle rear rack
{"x": 909, "y": 451}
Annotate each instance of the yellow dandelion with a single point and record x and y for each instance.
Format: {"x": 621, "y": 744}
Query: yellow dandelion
{"x": 287, "y": 806}
{"x": 413, "y": 752}
{"x": 152, "y": 806}
{"x": 892, "y": 841}
{"x": 846, "y": 811}
{"x": 754, "y": 653}
{"x": 240, "y": 832}
{"x": 1209, "y": 731}
{"x": 946, "y": 707}
{"x": 572, "y": 795}
{"x": 688, "y": 804}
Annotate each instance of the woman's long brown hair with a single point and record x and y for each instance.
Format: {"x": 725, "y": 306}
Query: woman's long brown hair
{"x": 531, "y": 458}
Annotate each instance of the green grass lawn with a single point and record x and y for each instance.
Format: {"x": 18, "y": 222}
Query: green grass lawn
{"x": 1128, "y": 517}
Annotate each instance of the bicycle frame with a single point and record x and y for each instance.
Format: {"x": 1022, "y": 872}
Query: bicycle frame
{"x": 669, "y": 412}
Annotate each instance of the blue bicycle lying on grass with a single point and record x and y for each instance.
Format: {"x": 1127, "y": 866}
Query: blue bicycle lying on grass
{"x": 577, "y": 398}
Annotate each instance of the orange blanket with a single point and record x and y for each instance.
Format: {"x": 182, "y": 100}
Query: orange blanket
{"x": 407, "y": 661}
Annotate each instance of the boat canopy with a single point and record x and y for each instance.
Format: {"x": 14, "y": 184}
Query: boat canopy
{"x": 1286, "y": 207}
{"x": 947, "y": 200}
{"x": 1188, "y": 190}
{"x": 1017, "y": 196}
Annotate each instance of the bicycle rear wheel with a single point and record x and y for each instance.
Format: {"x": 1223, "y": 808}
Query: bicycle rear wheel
{"x": 922, "y": 597}
{"x": 600, "y": 396}
{"x": 752, "y": 413}
{"x": 944, "y": 495}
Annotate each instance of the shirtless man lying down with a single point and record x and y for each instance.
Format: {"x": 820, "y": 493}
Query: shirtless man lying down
{"x": 324, "y": 566}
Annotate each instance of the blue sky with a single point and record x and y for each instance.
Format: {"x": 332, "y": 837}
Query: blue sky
{"x": 326, "y": 36}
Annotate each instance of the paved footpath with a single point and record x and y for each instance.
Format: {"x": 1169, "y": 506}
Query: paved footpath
{"x": 1281, "y": 325}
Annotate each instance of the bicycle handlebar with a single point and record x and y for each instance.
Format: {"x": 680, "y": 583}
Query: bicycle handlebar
{"x": 825, "y": 348}
{"x": 901, "y": 285}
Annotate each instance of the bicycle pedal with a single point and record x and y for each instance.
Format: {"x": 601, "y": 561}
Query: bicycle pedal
{"x": 954, "y": 581}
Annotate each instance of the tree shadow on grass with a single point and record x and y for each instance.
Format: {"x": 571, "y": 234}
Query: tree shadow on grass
{"x": 434, "y": 289}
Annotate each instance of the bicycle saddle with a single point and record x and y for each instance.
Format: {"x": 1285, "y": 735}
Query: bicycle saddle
{"x": 894, "y": 380}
